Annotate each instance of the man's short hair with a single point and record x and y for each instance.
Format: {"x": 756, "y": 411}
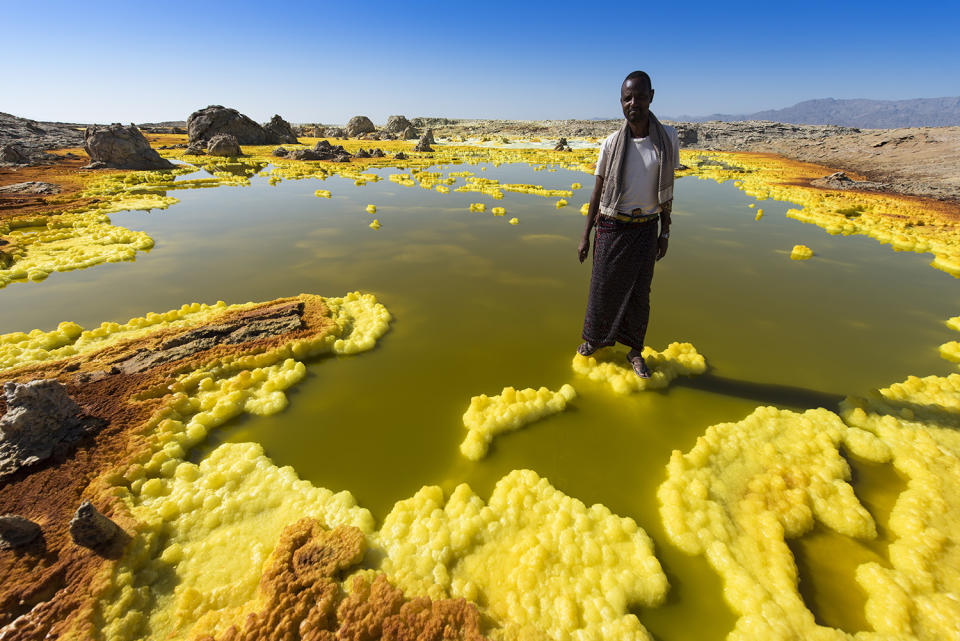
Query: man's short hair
{"x": 638, "y": 75}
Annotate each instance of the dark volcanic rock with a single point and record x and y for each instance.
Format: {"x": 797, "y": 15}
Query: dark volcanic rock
{"x": 223, "y": 145}
{"x": 307, "y": 154}
{"x": 396, "y": 124}
{"x": 216, "y": 119}
{"x": 377, "y": 153}
{"x": 400, "y": 156}
{"x": 90, "y": 528}
{"x": 41, "y": 420}
{"x": 280, "y": 152}
{"x": 425, "y": 141}
{"x": 335, "y": 132}
{"x": 361, "y": 153}
{"x": 409, "y": 133}
{"x": 561, "y": 145}
{"x": 121, "y": 147}
{"x": 13, "y": 155}
{"x": 16, "y": 531}
{"x": 281, "y": 130}
{"x": 359, "y": 125}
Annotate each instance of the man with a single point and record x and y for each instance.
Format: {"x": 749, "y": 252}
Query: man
{"x": 633, "y": 189}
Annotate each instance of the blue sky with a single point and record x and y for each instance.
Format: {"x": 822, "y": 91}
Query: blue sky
{"x": 324, "y": 62}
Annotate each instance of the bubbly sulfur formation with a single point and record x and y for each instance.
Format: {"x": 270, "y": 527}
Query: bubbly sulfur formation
{"x": 510, "y": 410}
{"x": 800, "y": 252}
{"x": 610, "y": 366}
{"x": 917, "y": 421}
{"x": 535, "y": 560}
{"x": 748, "y": 486}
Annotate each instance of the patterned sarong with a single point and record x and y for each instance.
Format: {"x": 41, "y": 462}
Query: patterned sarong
{"x": 618, "y": 309}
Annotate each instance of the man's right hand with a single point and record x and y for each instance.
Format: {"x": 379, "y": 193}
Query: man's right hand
{"x": 583, "y": 249}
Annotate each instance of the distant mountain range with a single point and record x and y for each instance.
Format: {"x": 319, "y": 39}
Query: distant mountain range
{"x": 864, "y": 114}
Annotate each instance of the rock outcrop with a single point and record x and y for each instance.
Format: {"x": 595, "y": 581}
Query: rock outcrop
{"x": 41, "y": 420}
{"x": 25, "y": 142}
{"x": 281, "y": 130}
{"x": 223, "y": 145}
{"x": 359, "y": 125}
{"x": 397, "y": 124}
{"x": 409, "y": 133}
{"x": 280, "y": 152}
{"x": 425, "y": 141}
{"x": 33, "y": 187}
{"x": 335, "y": 132}
{"x": 17, "y": 531}
{"x": 206, "y": 123}
{"x": 562, "y": 145}
{"x": 196, "y": 148}
{"x": 90, "y": 528}
{"x": 119, "y": 147}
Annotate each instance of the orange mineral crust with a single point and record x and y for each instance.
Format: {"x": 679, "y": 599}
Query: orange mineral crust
{"x": 47, "y": 587}
{"x": 300, "y": 597}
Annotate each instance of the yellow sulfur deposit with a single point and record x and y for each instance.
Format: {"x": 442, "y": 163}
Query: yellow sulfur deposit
{"x": 759, "y": 215}
{"x": 371, "y": 209}
{"x": 204, "y": 530}
{"x": 70, "y": 241}
{"x": 917, "y": 422}
{"x": 322, "y": 193}
{"x": 610, "y": 366}
{"x": 375, "y": 224}
{"x": 576, "y": 186}
{"x": 585, "y": 208}
{"x": 69, "y": 339}
{"x": 478, "y": 207}
{"x": 514, "y": 221}
{"x": 498, "y": 211}
{"x": 535, "y": 560}
{"x": 801, "y": 252}
{"x": 488, "y": 416}
{"x": 748, "y": 486}
{"x": 560, "y": 203}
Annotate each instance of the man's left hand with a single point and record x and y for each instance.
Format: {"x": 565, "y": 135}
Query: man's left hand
{"x": 661, "y": 247}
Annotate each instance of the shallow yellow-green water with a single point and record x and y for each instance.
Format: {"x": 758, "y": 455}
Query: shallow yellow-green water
{"x": 480, "y": 304}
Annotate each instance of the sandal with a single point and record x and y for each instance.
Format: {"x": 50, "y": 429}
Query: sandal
{"x": 586, "y": 348}
{"x": 639, "y": 365}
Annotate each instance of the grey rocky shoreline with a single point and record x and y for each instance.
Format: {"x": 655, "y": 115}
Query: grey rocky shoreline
{"x": 917, "y": 161}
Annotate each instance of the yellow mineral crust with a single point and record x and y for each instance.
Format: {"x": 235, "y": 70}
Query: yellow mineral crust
{"x": 69, "y": 241}
{"x": 918, "y": 421}
{"x": 905, "y": 223}
{"x": 748, "y": 486}
{"x": 69, "y": 339}
{"x": 800, "y": 252}
{"x": 610, "y": 366}
{"x": 510, "y": 410}
{"x": 204, "y": 531}
{"x": 533, "y": 559}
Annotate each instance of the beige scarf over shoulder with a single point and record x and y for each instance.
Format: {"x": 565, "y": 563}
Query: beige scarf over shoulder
{"x": 612, "y": 170}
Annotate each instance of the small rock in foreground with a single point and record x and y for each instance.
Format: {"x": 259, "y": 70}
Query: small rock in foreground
{"x": 119, "y": 147}
{"x": 16, "y": 531}
{"x": 90, "y": 528}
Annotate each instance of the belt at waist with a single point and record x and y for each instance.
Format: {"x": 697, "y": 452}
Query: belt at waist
{"x": 635, "y": 216}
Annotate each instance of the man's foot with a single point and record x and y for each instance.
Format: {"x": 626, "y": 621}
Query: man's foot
{"x": 587, "y": 348}
{"x": 639, "y": 365}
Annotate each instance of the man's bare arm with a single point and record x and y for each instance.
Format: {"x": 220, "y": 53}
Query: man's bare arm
{"x": 584, "y": 247}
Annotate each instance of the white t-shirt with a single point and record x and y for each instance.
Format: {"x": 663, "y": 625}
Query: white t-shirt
{"x": 641, "y": 171}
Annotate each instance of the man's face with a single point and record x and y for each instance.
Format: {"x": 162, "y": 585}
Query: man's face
{"x": 635, "y": 98}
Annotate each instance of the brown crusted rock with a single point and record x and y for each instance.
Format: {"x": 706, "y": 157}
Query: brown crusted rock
{"x": 90, "y": 528}
{"x": 223, "y": 145}
{"x": 16, "y": 531}
{"x": 561, "y": 145}
{"x": 31, "y": 187}
{"x": 361, "y": 153}
{"x": 840, "y": 180}
{"x": 359, "y": 125}
{"x": 409, "y": 133}
{"x": 280, "y": 152}
{"x": 298, "y": 585}
{"x": 378, "y": 611}
{"x": 121, "y": 148}
{"x": 41, "y": 420}
{"x": 13, "y": 155}
{"x": 400, "y": 156}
